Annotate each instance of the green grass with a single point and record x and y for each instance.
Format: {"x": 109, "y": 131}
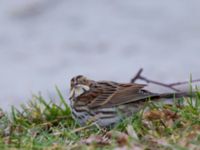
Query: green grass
{"x": 42, "y": 124}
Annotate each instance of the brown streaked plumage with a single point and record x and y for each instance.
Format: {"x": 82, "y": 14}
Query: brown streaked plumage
{"x": 107, "y": 102}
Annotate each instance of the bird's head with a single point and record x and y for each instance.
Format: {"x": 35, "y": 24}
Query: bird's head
{"x": 79, "y": 86}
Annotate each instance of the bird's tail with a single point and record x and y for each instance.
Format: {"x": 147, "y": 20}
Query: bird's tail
{"x": 172, "y": 96}
{"x": 177, "y": 95}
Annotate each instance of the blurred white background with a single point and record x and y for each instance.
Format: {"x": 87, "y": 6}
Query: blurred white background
{"x": 44, "y": 43}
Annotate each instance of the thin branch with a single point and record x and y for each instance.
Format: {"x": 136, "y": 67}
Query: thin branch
{"x": 158, "y": 83}
{"x": 138, "y": 76}
{"x": 184, "y": 82}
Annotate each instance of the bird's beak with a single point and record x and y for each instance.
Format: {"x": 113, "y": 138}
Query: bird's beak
{"x": 71, "y": 93}
{"x": 84, "y": 87}
{"x": 77, "y": 90}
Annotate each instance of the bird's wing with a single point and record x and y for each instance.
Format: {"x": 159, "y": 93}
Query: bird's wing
{"x": 114, "y": 94}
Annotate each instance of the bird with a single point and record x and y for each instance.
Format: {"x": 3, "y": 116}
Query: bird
{"x": 107, "y": 102}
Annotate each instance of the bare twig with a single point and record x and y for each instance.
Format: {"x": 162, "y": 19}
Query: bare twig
{"x": 138, "y": 76}
{"x": 184, "y": 82}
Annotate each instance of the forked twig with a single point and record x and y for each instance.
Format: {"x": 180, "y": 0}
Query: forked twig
{"x": 138, "y": 76}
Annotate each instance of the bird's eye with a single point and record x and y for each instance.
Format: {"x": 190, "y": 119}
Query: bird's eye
{"x": 80, "y": 81}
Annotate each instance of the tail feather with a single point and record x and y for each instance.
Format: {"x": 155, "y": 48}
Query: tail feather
{"x": 177, "y": 95}
{"x": 157, "y": 97}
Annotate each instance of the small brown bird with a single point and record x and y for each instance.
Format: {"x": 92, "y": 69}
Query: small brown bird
{"x": 107, "y": 102}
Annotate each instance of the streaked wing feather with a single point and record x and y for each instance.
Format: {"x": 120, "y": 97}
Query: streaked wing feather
{"x": 115, "y": 94}
{"x": 128, "y": 95}
{"x": 107, "y": 90}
